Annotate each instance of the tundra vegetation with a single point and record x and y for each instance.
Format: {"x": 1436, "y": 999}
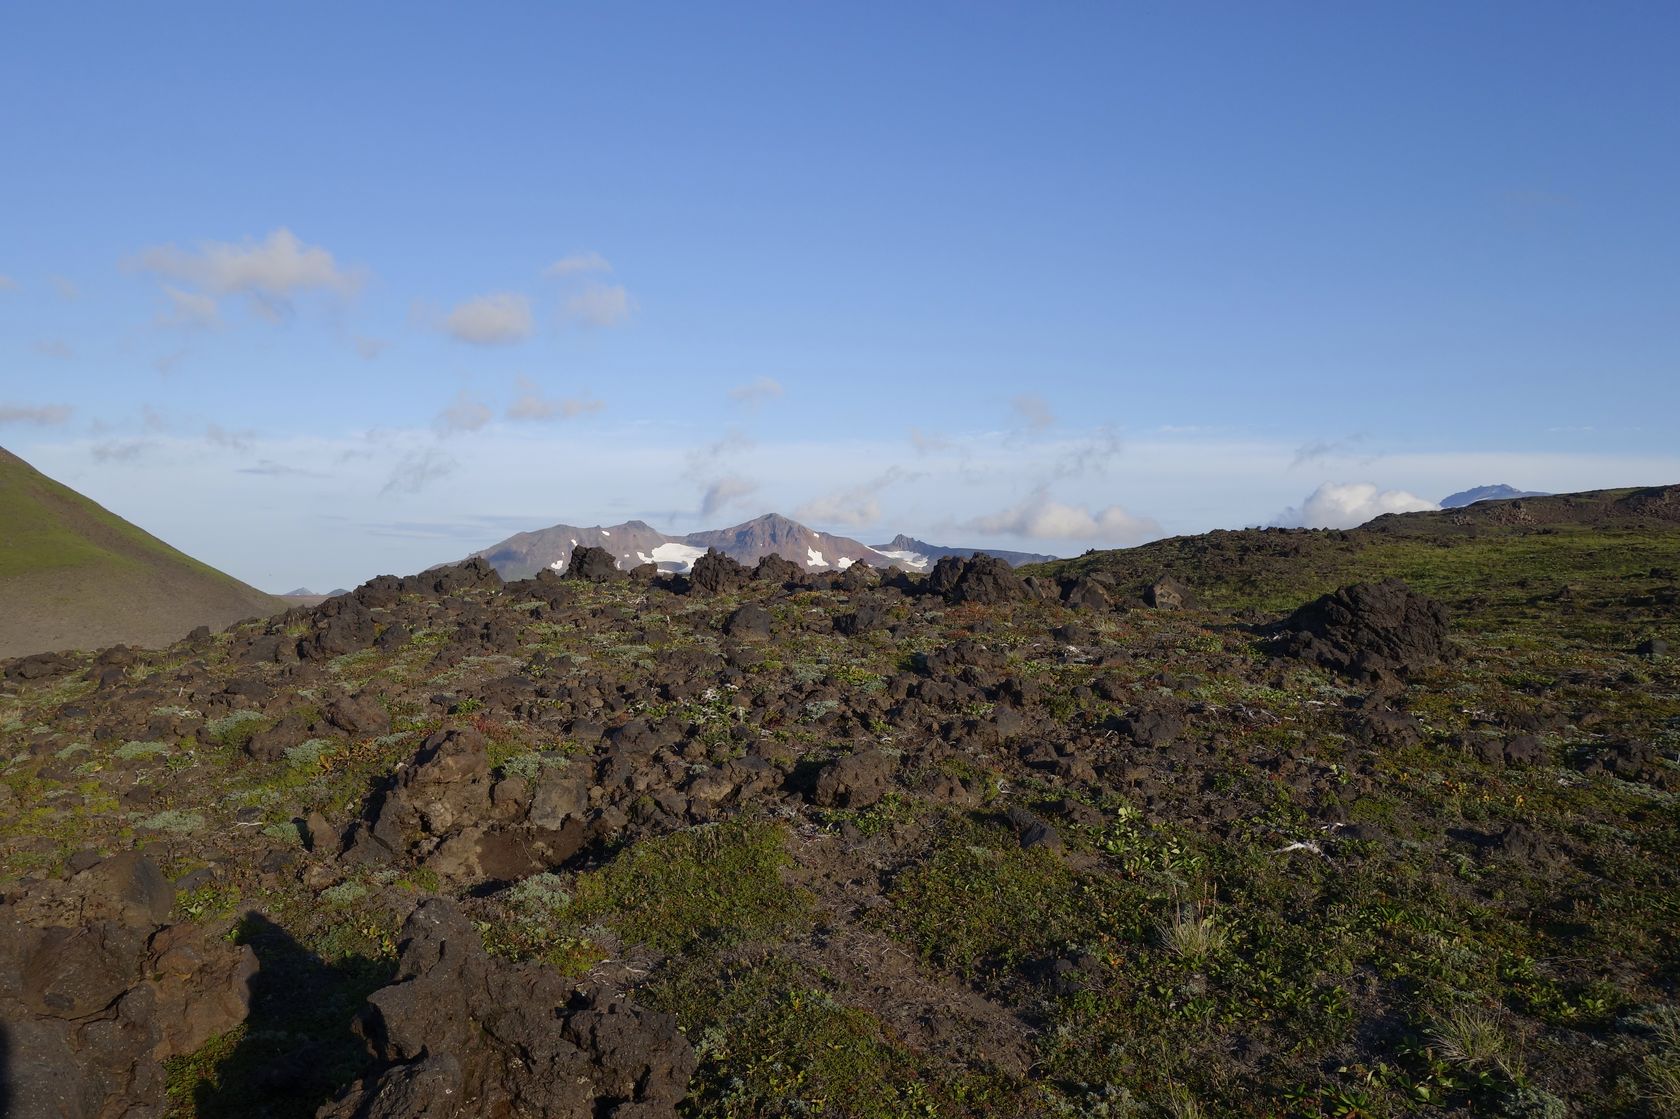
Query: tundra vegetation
{"x": 1267, "y": 823}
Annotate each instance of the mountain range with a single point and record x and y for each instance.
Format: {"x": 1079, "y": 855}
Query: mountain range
{"x": 634, "y": 543}
{"x": 1499, "y": 492}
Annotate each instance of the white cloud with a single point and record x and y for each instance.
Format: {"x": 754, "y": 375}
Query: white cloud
{"x": 188, "y": 308}
{"x": 45, "y": 415}
{"x": 1042, "y": 518}
{"x": 465, "y": 414}
{"x": 222, "y": 437}
{"x": 491, "y": 320}
{"x": 927, "y": 443}
{"x": 1034, "y": 410}
{"x": 269, "y": 272}
{"x": 369, "y": 348}
{"x": 1350, "y": 504}
{"x": 600, "y": 305}
{"x": 1318, "y": 449}
{"x": 418, "y": 469}
{"x": 7, "y": 283}
{"x": 857, "y": 507}
{"x": 573, "y": 264}
{"x": 121, "y": 450}
{"x": 853, "y": 510}
{"x": 765, "y": 388}
{"x": 725, "y": 491}
{"x": 55, "y": 347}
{"x": 67, "y": 289}
{"x": 531, "y": 404}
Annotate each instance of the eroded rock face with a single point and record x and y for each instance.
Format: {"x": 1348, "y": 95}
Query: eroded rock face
{"x": 459, "y": 1034}
{"x": 716, "y": 573}
{"x": 856, "y": 780}
{"x": 445, "y": 810}
{"x": 594, "y": 565}
{"x": 96, "y": 992}
{"x": 982, "y": 579}
{"x": 1369, "y": 630}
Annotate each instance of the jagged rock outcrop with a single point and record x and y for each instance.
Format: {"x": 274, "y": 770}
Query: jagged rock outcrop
{"x": 460, "y": 1034}
{"x": 593, "y": 565}
{"x": 96, "y": 992}
{"x": 446, "y": 810}
{"x": 1368, "y": 630}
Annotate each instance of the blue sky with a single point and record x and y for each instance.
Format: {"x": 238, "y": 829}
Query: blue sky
{"x": 315, "y": 292}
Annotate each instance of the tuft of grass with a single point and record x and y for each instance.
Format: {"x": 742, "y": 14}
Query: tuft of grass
{"x": 173, "y": 820}
{"x": 1660, "y": 1071}
{"x": 133, "y": 751}
{"x": 344, "y": 894}
{"x": 1474, "y": 1039}
{"x": 1191, "y": 934}
{"x": 235, "y": 729}
{"x": 1182, "y": 1104}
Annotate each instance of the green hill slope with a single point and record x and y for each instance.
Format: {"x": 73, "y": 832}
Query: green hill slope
{"x": 75, "y": 575}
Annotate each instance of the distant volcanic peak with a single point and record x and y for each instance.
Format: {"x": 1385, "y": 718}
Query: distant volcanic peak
{"x": 774, "y": 534}
{"x": 919, "y": 555}
{"x": 635, "y": 542}
{"x": 1497, "y": 492}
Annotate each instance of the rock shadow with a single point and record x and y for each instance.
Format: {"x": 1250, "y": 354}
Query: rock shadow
{"x": 5, "y": 1071}
{"x": 298, "y": 1047}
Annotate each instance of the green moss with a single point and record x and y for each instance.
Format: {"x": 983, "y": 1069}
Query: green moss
{"x": 173, "y": 820}
{"x": 710, "y": 885}
{"x": 235, "y": 729}
{"x": 774, "y": 1041}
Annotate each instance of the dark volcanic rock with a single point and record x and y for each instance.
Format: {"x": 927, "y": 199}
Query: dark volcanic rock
{"x": 981, "y": 579}
{"x": 1167, "y": 593}
{"x": 359, "y": 715}
{"x": 345, "y": 626}
{"x": 716, "y": 573}
{"x": 777, "y": 569}
{"x": 458, "y": 1034}
{"x": 38, "y": 667}
{"x": 594, "y": 565}
{"x": 1371, "y": 630}
{"x": 476, "y": 573}
{"x": 855, "y": 781}
{"x": 1086, "y": 594}
{"x": 749, "y": 623}
{"x": 95, "y": 993}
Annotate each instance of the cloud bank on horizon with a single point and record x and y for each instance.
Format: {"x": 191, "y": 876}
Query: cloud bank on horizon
{"x": 1351, "y": 504}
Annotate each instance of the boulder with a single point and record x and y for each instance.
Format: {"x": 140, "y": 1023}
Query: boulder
{"x": 749, "y": 623}
{"x": 1167, "y": 593}
{"x": 344, "y": 626}
{"x": 94, "y": 1000}
{"x": 1368, "y": 631}
{"x": 360, "y": 716}
{"x": 855, "y": 781}
{"x": 1086, "y": 594}
{"x": 558, "y": 799}
{"x": 866, "y": 617}
{"x": 460, "y": 1034}
{"x": 777, "y": 569}
{"x": 592, "y": 565}
{"x": 474, "y": 574}
{"x": 716, "y": 573}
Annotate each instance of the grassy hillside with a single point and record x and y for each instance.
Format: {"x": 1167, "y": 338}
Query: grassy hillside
{"x": 75, "y": 575}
